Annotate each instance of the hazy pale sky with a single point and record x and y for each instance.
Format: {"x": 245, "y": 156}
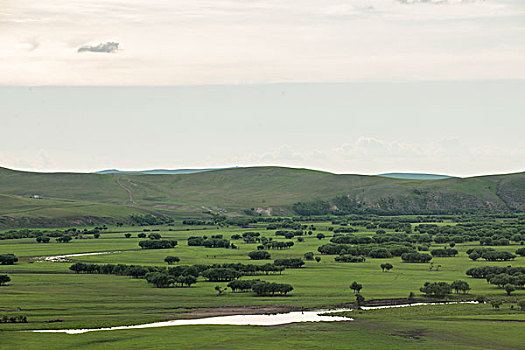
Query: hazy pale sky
{"x": 458, "y": 128}
{"x": 167, "y": 42}
{"x": 353, "y": 86}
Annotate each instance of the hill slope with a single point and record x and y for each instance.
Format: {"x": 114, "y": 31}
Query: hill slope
{"x": 271, "y": 189}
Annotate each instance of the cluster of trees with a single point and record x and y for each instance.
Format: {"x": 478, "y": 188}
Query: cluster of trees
{"x": 221, "y": 274}
{"x": 490, "y": 254}
{"x": 195, "y": 222}
{"x": 440, "y": 289}
{"x": 43, "y": 239}
{"x": 416, "y": 257}
{"x": 289, "y": 234}
{"x": 259, "y": 255}
{"x": 64, "y": 239}
{"x": 13, "y": 319}
{"x": 157, "y": 244}
{"x": 216, "y": 241}
{"x": 370, "y": 250}
{"x": 166, "y": 280}
{"x": 8, "y": 259}
{"x": 349, "y": 259}
{"x": 443, "y": 253}
{"x": 275, "y": 245}
{"x": 149, "y": 219}
{"x": 289, "y": 263}
{"x": 29, "y": 233}
{"x": 508, "y": 278}
{"x": 262, "y": 288}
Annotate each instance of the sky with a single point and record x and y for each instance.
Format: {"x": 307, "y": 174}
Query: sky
{"x": 354, "y": 86}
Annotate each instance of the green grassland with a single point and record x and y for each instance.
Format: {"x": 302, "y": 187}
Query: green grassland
{"x": 230, "y": 191}
{"x": 49, "y": 290}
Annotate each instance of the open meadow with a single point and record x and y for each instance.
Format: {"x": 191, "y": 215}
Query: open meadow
{"x": 52, "y": 296}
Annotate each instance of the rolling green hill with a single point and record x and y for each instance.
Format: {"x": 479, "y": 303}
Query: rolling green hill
{"x": 269, "y": 190}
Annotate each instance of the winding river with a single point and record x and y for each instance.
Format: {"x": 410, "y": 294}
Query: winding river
{"x": 244, "y": 320}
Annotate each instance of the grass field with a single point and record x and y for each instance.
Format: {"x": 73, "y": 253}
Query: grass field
{"x": 49, "y": 290}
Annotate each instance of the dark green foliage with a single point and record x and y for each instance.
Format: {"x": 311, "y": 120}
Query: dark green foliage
{"x": 316, "y": 207}
{"x": 13, "y": 319}
{"x": 259, "y": 255}
{"x": 221, "y": 274}
{"x": 157, "y": 244}
{"x": 356, "y": 287}
{"x": 387, "y": 267}
{"x": 289, "y": 263}
{"x": 380, "y": 253}
{"x": 509, "y": 288}
{"x": 241, "y": 285}
{"x": 209, "y": 242}
{"x": 149, "y": 219}
{"x": 8, "y": 259}
{"x": 520, "y": 251}
{"x": 459, "y": 285}
{"x": 438, "y": 289}
{"x": 444, "y": 252}
{"x": 42, "y": 239}
{"x": 349, "y": 259}
{"x": 416, "y": 257}
{"x": 4, "y": 279}
{"x": 309, "y": 256}
{"x": 262, "y": 288}
{"x": 171, "y": 259}
{"x": 64, "y": 239}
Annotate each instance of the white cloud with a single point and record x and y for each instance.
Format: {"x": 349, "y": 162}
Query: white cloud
{"x": 107, "y": 47}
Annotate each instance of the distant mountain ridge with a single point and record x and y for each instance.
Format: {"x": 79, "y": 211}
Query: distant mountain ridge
{"x": 156, "y": 171}
{"x": 416, "y": 176}
{"x": 406, "y": 176}
{"x": 31, "y": 198}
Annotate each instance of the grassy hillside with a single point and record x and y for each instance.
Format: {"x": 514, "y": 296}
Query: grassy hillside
{"x": 268, "y": 189}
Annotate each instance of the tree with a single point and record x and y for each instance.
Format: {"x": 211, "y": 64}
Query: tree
{"x": 160, "y": 279}
{"x": 42, "y": 239}
{"x": 127, "y": 235}
{"x": 171, "y": 259}
{"x": 309, "y": 256}
{"x": 4, "y": 279}
{"x": 154, "y": 236}
{"x": 220, "y": 290}
{"x": 356, "y": 287}
{"x": 387, "y": 267}
{"x": 8, "y": 259}
{"x": 359, "y": 300}
{"x": 496, "y": 303}
{"x": 460, "y": 286}
{"x": 520, "y": 251}
{"x": 509, "y": 288}
{"x": 318, "y": 258}
{"x": 141, "y": 235}
{"x": 320, "y": 236}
